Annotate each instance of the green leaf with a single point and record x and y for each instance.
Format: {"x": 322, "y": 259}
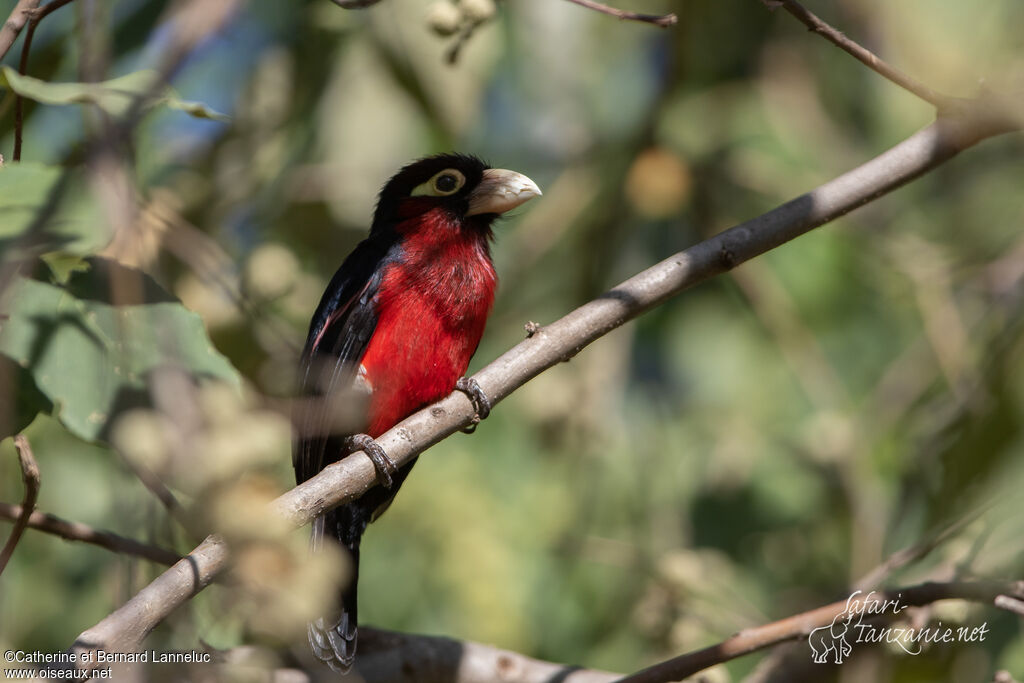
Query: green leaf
{"x": 196, "y": 109}
{"x": 48, "y": 208}
{"x": 24, "y": 400}
{"x": 114, "y": 96}
{"x": 92, "y": 359}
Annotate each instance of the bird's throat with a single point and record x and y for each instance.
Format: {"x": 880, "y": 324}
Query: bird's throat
{"x": 435, "y": 296}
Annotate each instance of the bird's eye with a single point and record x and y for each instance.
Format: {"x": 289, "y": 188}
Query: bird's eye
{"x": 443, "y": 184}
{"x": 446, "y": 183}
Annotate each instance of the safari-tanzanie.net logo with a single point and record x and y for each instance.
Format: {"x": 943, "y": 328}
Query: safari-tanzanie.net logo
{"x": 864, "y": 621}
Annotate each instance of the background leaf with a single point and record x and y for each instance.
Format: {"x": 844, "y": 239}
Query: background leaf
{"x": 92, "y": 358}
{"x": 48, "y": 208}
{"x": 114, "y": 96}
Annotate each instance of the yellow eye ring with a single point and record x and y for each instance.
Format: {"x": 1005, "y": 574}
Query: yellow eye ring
{"x": 443, "y": 184}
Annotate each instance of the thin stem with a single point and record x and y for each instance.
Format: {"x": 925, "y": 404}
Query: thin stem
{"x": 30, "y": 475}
{"x": 15, "y": 22}
{"x": 1010, "y": 604}
{"x": 800, "y": 625}
{"x": 662, "y": 20}
{"x": 862, "y": 54}
{"x": 76, "y": 531}
{"x": 36, "y": 17}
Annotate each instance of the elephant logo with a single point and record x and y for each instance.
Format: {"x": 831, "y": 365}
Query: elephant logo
{"x": 831, "y": 639}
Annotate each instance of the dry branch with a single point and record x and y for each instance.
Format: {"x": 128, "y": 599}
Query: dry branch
{"x": 1010, "y": 604}
{"x": 862, "y": 54}
{"x": 36, "y": 16}
{"x": 905, "y": 556}
{"x": 30, "y": 475}
{"x": 76, "y": 531}
{"x": 662, "y": 20}
{"x": 15, "y": 22}
{"x": 347, "y": 480}
{"x": 801, "y": 625}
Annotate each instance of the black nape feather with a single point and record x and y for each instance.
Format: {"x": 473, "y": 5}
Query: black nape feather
{"x": 418, "y": 172}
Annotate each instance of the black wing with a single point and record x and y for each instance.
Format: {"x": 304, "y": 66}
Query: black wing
{"x": 338, "y": 337}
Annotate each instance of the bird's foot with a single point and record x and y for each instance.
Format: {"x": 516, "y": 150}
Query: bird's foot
{"x": 481, "y": 404}
{"x": 382, "y": 462}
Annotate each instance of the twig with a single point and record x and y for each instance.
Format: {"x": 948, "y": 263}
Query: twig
{"x": 12, "y": 27}
{"x": 808, "y": 362}
{"x": 801, "y": 625}
{"x": 862, "y": 54}
{"x": 349, "y": 478}
{"x": 158, "y": 488}
{"x": 662, "y": 20}
{"x": 905, "y": 556}
{"x": 191, "y": 24}
{"x": 1010, "y": 604}
{"x": 36, "y": 17}
{"x": 30, "y": 475}
{"x": 76, "y": 531}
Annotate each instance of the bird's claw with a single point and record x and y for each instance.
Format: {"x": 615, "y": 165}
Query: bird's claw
{"x": 481, "y": 404}
{"x": 386, "y": 468}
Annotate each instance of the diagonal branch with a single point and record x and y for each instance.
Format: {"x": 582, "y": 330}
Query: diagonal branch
{"x": 348, "y": 479}
{"x": 1010, "y": 603}
{"x": 30, "y": 475}
{"x": 76, "y": 531}
{"x": 902, "y": 558}
{"x": 861, "y": 53}
{"x": 800, "y": 625}
{"x": 12, "y": 27}
{"x": 662, "y": 20}
{"x": 36, "y": 16}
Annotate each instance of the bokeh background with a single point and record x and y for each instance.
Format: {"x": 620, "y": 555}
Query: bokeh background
{"x": 751, "y": 449}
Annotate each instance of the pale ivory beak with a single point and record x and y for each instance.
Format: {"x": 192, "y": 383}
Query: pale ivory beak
{"x": 501, "y": 191}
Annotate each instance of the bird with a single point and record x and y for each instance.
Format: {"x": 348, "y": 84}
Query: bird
{"x": 395, "y": 331}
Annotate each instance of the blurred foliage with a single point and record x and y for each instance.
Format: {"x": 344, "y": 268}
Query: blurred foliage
{"x": 744, "y": 452}
{"x": 116, "y": 96}
{"x": 91, "y": 358}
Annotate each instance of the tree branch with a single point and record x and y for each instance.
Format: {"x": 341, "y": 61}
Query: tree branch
{"x": 905, "y": 556}
{"x": 547, "y": 346}
{"x": 36, "y": 16}
{"x": 76, "y": 531}
{"x": 801, "y": 625}
{"x": 662, "y": 20}
{"x": 1010, "y": 604}
{"x": 392, "y": 657}
{"x": 406, "y": 658}
{"x": 30, "y": 475}
{"x": 12, "y": 27}
{"x": 862, "y": 54}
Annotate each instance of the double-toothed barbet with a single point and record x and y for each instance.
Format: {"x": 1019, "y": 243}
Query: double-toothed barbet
{"x": 395, "y": 331}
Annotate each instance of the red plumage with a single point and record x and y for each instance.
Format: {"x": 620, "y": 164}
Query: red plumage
{"x": 400, "y": 321}
{"x": 439, "y": 298}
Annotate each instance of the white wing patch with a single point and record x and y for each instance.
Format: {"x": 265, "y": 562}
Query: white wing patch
{"x": 362, "y": 382}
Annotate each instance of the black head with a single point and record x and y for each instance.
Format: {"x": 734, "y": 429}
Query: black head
{"x": 461, "y": 185}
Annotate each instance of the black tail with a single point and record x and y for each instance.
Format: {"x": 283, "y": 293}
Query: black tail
{"x": 333, "y": 638}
